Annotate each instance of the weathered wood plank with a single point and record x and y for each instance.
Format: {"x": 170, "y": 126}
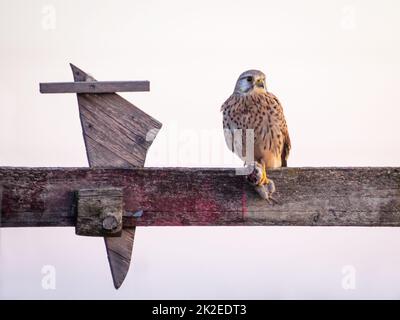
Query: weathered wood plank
{"x": 114, "y": 137}
{"x": 94, "y": 87}
{"x": 114, "y": 130}
{"x": 208, "y": 197}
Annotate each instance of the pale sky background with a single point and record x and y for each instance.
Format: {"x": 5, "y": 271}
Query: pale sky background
{"x": 335, "y": 65}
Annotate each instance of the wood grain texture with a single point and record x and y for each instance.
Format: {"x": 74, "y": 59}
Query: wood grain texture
{"x": 94, "y": 87}
{"x": 99, "y": 212}
{"x": 116, "y": 134}
{"x": 208, "y": 197}
{"x": 119, "y": 254}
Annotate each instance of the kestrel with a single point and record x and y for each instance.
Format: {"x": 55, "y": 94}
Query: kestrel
{"x": 252, "y": 107}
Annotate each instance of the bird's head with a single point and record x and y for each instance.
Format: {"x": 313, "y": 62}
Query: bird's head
{"x": 250, "y": 81}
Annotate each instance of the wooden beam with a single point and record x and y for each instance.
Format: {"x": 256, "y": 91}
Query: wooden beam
{"x": 94, "y": 87}
{"x": 207, "y": 197}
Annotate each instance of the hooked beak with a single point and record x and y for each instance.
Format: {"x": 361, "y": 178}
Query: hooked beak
{"x": 260, "y": 83}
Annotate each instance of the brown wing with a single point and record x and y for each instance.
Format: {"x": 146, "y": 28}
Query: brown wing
{"x": 228, "y": 122}
{"x": 286, "y": 148}
{"x": 285, "y": 133}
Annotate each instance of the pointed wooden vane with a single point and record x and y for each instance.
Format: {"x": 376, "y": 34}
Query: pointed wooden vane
{"x": 117, "y": 134}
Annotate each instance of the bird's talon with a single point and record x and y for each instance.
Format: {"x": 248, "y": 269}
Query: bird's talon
{"x": 264, "y": 179}
{"x": 256, "y": 175}
{"x": 264, "y": 186}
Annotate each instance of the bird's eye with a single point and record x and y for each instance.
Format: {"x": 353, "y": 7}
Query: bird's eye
{"x": 249, "y": 79}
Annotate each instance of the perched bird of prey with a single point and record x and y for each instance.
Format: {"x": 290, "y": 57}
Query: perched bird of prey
{"x": 252, "y": 107}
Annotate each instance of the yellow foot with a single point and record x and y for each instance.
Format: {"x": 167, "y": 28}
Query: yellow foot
{"x": 264, "y": 179}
